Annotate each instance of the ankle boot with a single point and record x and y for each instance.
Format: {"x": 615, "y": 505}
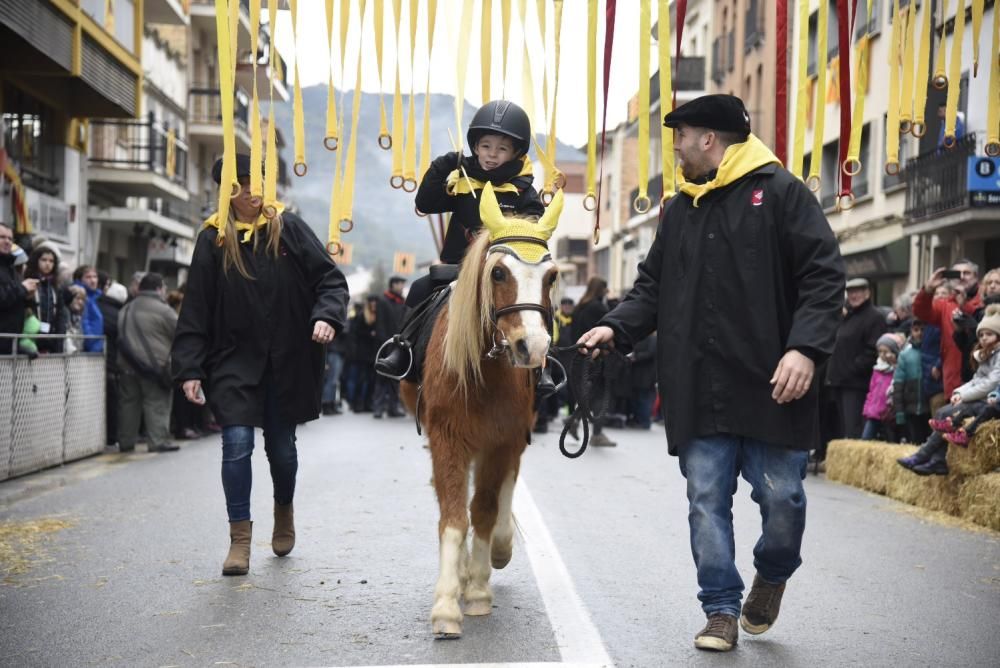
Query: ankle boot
{"x": 283, "y": 538}
{"x": 238, "y": 560}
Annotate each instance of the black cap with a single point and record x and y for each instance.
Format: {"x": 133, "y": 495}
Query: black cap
{"x": 715, "y": 112}
{"x": 396, "y": 279}
{"x": 242, "y": 168}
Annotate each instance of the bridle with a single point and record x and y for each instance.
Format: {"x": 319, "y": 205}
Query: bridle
{"x": 502, "y": 345}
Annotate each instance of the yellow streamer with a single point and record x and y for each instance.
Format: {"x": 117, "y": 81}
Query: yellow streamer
{"x": 410, "y": 149}
{"x": 334, "y": 245}
{"x": 977, "y": 25}
{"x": 819, "y": 112}
{"x": 229, "y": 186}
{"x": 951, "y": 110}
{"x": 462, "y": 63}
{"x": 486, "y": 47}
{"x": 919, "y": 126}
{"x": 384, "y": 138}
{"x": 396, "y": 179}
{"x": 993, "y": 106}
{"x": 171, "y": 157}
{"x": 802, "y": 99}
{"x": 666, "y": 101}
{"x": 300, "y": 167}
{"x": 271, "y": 153}
{"x": 590, "y": 200}
{"x": 256, "y": 141}
{"x": 852, "y": 163}
{"x": 425, "y": 135}
{"x": 909, "y": 34}
{"x": 332, "y": 135}
{"x": 527, "y": 79}
{"x": 554, "y": 179}
{"x": 505, "y": 23}
{"x": 940, "y": 79}
{"x": 642, "y": 203}
{"x": 347, "y": 187}
{"x": 892, "y": 118}
{"x": 234, "y": 20}
{"x": 345, "y": 22}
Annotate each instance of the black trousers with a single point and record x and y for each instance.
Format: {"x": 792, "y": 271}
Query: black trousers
{"x": 850, "y": 401}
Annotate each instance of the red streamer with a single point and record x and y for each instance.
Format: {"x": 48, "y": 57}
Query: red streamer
{"x": 844, "y": 25}
{"x": 609, "y": 40}
{"x": 781, "y": 79}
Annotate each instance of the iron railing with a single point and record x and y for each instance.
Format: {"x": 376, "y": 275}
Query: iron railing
{"x": 205, "y": 106}
{"x": 138, "y": 145}
{"x": 937, "y": 181}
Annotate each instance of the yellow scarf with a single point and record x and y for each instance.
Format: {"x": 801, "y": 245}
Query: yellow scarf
{"x": 458, "y": 184}
{"x": 738, "y": 161}
{"x": 247, "y": 229}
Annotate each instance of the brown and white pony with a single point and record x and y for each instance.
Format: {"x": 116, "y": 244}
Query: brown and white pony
{"x": 476, "y": 400}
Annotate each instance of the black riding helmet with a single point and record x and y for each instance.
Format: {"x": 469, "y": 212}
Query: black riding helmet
{"x": 501, "y": 117}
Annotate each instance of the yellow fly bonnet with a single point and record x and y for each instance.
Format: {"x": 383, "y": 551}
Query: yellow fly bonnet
{"x": 525, "y": 239}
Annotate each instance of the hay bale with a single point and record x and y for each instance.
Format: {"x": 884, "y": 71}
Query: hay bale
{"x": 981, "y": 456}
{"x": 866, "y": 464}
{"x": 979, "y": 500}
{"x": 933, "y": 492}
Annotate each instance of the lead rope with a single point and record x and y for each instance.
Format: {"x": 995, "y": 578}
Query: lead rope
{"x": 591, "y": 388}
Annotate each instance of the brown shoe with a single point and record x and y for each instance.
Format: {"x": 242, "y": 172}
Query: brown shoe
{"x": 238, "y": 560}
{"x": 283, "y": 538}
{"x": 761, "y": 608}
{"x": 720, "y": 634}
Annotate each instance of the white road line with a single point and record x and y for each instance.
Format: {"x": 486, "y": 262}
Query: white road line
{"x": 488, "y": 665}
{"x": 579, "y": 642}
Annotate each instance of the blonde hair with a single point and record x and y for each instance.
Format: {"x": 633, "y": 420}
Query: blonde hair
{"x": 230, "y": 242}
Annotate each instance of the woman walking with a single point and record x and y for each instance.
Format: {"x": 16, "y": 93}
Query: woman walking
{"x": 263, "y": 300}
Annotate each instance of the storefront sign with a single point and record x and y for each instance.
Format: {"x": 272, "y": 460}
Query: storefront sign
{"x": 984, "y": 181}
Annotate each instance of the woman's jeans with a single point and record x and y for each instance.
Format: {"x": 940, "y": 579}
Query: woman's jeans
{"x": 331, "y": 380}
{"x": 712, "y": 465}
{"x": 237, "y": 446}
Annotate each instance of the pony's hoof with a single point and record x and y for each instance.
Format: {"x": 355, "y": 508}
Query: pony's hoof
{"x": 478, "y": 608}
{"x": 445, "y": 629}
{"x": 499, "y": 560}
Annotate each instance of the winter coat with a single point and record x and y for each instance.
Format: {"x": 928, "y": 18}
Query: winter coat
{"x": 730, "y": 286}
{"x": 985, "y": 380}
{"x": 644, "y": 364}
{"x": 965, "y": 334}
{"x": 877, "y": 402}
{"x": 938, "y": 312}
{"x": 51, "y": 310}
{"x": 586, "y": 316}
{"x": 92, "y": 322}
{"x": 110, "y": 309}
{"x": 432, "y": 197}
{"x": 148, "y": 317}
{"x": 907, "y": 391}
{"x": 364, "y": 339}
{"x": 855, "y": 352}
{"x": 930, "y": 358}
{"x": 233, "y": 332}
{"x": 389, "y": 312}
{"x": 13, "y": 300}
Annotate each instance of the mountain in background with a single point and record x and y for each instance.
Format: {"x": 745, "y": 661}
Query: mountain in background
{"x": 384, "y": 218}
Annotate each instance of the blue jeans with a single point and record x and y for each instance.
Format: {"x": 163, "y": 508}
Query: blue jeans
{"x": 331, "y": 380}
{"x": 237, "y": 446}
{"x": 642, "y": 406}
{"x": 711, "y": 466}
{"x": 871, "y": 430}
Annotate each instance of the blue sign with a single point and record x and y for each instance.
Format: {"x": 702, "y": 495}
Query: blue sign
{"x": 984, "y": 181}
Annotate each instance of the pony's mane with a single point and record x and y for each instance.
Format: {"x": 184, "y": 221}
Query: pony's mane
{"x": 469, "y": 315}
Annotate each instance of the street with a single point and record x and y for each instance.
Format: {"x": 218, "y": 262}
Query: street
{"x": 602, "y": 572}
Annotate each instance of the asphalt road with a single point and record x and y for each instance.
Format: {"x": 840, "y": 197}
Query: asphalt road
{"x": 602, "y": 571}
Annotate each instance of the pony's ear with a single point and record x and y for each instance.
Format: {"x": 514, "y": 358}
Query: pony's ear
{"x": 550, "y": 218}
{"x": 489, "y": 211}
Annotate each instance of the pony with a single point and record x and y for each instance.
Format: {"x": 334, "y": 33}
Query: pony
{"x": 476, "y": 399}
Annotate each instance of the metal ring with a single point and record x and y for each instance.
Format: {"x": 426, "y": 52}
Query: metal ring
{"x": 396, "y": 181}
{"x": 348, "y": 227}
{"x": 641, "y": 204}
{"x": 559, "y": 182}
{"x": 336, "y": 244}
{"x": 419, "y": 213}
{"x": 597, "y": 235}
{"x": 385, "y": 141}
{"x": 845, "y": 201}
{"x": 590, "y": 202}
{"x": 949, "y": 141}
{"x": 892, "y": 168}
{"x": 851, "y": 162}
{"x": 299, "y": 172}
{"x": 409, "y": 185}
{"x": 547, "y": 197}
{"x": 992, "y": 149}
{"x": 269, "y": 211}
{"x": 331, "y": 143}
{"x": 940, "y": 81}
{"x": 905, "y": 125}
{"x": 813, "y": 183}
{"x": 913, "y": 129}
{"x": 236, "y": 190}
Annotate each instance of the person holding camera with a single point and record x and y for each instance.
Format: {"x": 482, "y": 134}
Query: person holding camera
{"x": 145, "y": 333}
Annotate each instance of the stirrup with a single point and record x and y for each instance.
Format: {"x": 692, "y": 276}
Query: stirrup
{"x": 402, "y": 344}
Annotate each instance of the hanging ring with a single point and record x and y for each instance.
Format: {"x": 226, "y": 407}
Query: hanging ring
{"x": 597, "y": 235}
{"x": 949, "y": 141}
{"x": 813, "y": 183}
{"x": 940, "y": 81}
{"x": 892, "y": 168}
{"x": 300, "y": 169}
{"x": 547, "y": 197}
{"x": 385, "y": 141}
{"x": 269, "y": 211}
{"x": 918, "y": 133}
{"x": 559, "y": 182}
{"x": 409, "y": 185}
{"x": 905, "y": 125}
{"x": 641, "y": 204}
{"x": 419, "y": 213}
{"x": 331, "y": 143}
{"x": 396, "y": 181}
{"x": 993, "y": 149}
{"x": 845, "y": 201}
{"x": 235, "y": 190}
{"x": 346, "y": 225}
{"x": 852, "y": 167}
{"x": 590, "y": 202}
{"x": 335, "y": 248}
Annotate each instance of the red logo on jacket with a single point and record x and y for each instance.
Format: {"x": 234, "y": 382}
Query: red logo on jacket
{"x": 757, "y": 198}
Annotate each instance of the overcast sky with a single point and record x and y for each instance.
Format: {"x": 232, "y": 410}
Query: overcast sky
{"x": 572, "y": 105}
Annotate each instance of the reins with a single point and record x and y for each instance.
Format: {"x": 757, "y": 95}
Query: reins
{"x": 591, "y": 389}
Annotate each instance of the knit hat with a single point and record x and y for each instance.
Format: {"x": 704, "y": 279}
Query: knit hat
{"x": 890, "y": 341}
{"x": 991, "y": 320}
{"x": 118, "y": 292}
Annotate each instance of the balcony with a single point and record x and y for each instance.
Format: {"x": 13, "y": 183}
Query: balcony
{"x": 937, "y": 181}
{"x": 205, "y": 117}
{"x": 171, "y": 12}
{"x": 245, "y": 71}
{"x": 203, "y": 18}
{"x": 134, "y": 158}
{"x": 753, "y": 28}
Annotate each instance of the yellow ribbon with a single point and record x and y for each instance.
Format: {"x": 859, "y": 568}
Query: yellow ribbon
{"x": 270, "y": 208}
{"x": 951, "y": 110}
{"x": 461, "y": 68}
{"x": 852, "y": 163}
{"x": 940, "y": 79}
{"x": 977, "y": 25}
{"x": 486, "y": 47}
{"x": 300, "y": 167}
{"x": 505, "y": 23}
{"x": 554, "y": 177}
{"x": 527, "y": 79}
{"x": 333, "y": 245}
{"x": 347, "y": 187}
{"x": 171, "y": 157}
{"x": 425, "y": 135}
{"x": 458, "y": 183}
{"x": 909, "y": 34}
{"x": 892, "y": 118}
{"x": 229, "y": 186}
{"x": 256, "y": 141}
{"x": 396, "y": 179}
{"x": 384, "y": 138}
{"x": 590, "y": 200}
{"x": 819, "y": 112}
{"x": 642, "y": 203}
{"x": 332, "y": 136}
{"x": 248, "y": 229}
{"x": 410, "y": 147}
{"x": 919, "y": 127}
{"x": 666, "y": 100}
{"x": 802, "y": 99}
{"x": 993, "y": 106}
{"x": 345, "y": 22}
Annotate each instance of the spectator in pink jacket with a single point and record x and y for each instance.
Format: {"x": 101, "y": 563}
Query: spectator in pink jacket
{"x": 878, "y": 403}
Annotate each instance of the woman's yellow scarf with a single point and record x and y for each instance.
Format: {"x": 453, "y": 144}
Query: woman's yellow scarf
{"x": 247, "y": 229}
{"x": 738, "y": 161}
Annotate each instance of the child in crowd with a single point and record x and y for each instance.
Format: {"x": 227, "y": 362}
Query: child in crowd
{"x": 967, "y": 400}
{"x": 907, "y": 389}
{"x": 878, "y": 403}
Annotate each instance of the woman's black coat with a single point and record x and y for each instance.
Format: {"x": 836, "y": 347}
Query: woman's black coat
{"x": 243, "y": 336}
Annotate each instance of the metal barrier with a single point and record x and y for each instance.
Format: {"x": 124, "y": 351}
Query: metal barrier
{"x": 52, "y": 407}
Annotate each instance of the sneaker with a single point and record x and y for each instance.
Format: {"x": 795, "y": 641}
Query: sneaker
{"x": 959, "y": 437}
{"x": 944, "y": 425}
{"x": 720, "y": 634}
{"x": 910, "y": 462}
{"x": 602, "y": 441}
{"x": 762, "y": 605}
{"x": 934, "y": 467}
{"x": 168, "y": 447}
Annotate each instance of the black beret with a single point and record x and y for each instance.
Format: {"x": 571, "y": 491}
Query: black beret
{"x": 242, "y": 168}
{"x": 715, "y": 112}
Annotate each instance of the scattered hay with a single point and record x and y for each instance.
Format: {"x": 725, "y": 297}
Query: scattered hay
{"x": 979, "y": 500}
{"x": 982, "y": 455}
{"x": 21, "y": 543}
